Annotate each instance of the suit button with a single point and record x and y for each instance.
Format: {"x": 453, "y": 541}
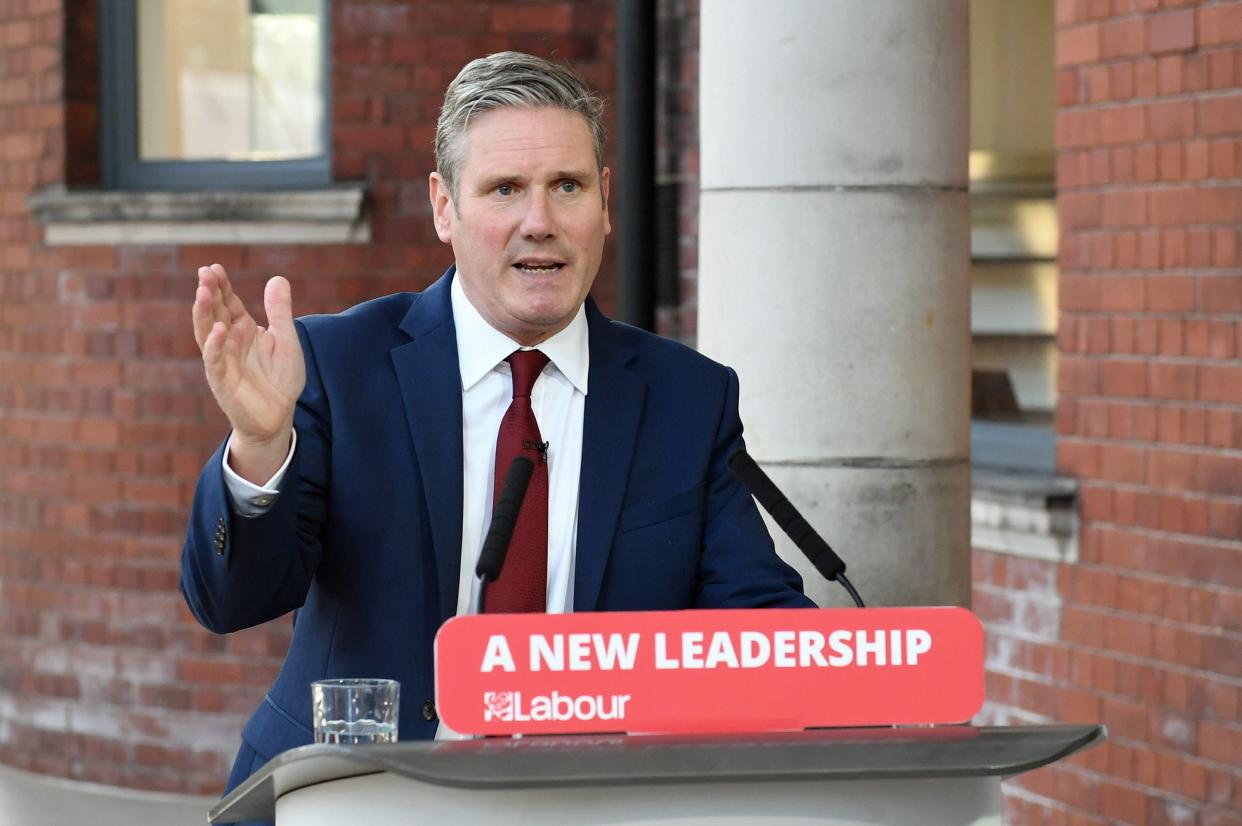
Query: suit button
{"x": 429, "y": 710}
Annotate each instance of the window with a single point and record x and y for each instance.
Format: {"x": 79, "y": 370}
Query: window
{"x": 214, "y": 94}
{"x": 1013, "y": 235}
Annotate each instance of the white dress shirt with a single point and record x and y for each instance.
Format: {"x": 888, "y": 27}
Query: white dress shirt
{"x": 558, "y": 399}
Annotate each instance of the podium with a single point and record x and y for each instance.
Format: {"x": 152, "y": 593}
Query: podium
{"x": 907, "y": 775}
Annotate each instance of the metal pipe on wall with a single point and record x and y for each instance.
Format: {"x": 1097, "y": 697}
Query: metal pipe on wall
{"x": 635, "y": 185}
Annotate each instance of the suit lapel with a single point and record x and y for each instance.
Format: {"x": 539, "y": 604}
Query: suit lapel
{"x": 430, "y": 381}
{"x": 614, "y": 406}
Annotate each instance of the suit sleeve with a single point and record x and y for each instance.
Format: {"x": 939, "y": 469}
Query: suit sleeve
{"x": 238, "y": 571}
{"x": 739, "y": 566}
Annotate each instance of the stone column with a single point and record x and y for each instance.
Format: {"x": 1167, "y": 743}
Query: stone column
{"x": 834, "y": 260}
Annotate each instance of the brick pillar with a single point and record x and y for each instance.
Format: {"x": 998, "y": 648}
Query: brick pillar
{"x": 1144, "y": 632}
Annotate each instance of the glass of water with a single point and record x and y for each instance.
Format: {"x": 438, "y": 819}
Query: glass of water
{"x": 355, "y": 711}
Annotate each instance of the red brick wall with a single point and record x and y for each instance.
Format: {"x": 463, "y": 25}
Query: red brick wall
{"x": 1144, "y": 633}
{"x": 105, "y": 419}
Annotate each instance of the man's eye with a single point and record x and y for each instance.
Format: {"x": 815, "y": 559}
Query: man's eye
{"x": 569, "y": 186}
{"x": 504, "y": 189}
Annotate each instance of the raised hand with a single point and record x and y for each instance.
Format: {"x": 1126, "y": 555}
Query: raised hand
{"x": 255, "y": 373}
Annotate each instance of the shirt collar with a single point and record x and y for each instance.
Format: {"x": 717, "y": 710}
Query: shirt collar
{"x": 480, "y": 346}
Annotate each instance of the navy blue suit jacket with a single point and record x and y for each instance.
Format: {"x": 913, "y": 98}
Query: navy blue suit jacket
{"x": 364, "y": 541}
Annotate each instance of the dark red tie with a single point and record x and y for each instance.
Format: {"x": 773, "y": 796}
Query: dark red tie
{"x": 523, "y": 582}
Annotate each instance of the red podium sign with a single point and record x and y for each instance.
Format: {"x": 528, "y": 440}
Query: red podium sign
{"x": 708, "y": 671}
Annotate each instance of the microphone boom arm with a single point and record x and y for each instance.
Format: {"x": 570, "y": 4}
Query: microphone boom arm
{"x": 787, "y": 518}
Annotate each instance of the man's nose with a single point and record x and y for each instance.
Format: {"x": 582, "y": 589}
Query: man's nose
{"x": 537, "y": 222}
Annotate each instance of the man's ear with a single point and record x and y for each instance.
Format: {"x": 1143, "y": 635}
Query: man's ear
{"x": 441, "y": 207}
{"x": 603, "y": 188}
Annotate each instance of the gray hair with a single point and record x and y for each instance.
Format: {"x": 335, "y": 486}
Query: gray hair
{"x": 509, "y": 79}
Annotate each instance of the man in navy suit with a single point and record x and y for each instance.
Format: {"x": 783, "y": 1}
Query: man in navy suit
{"x": 357, "y": 482}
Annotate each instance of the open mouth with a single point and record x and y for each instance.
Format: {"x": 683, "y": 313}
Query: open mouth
{"x": 538, "y": 267}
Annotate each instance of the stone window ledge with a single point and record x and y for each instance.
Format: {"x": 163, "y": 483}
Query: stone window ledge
{"x": 333, "y": 215}
{"x": 1028, "y": 515}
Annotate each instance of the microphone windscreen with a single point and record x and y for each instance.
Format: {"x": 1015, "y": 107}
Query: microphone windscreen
{"x": 786, "y": 515}
{"x": 504, "y": 517}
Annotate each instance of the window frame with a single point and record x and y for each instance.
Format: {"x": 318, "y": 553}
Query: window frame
{"x": 120, "y": 165}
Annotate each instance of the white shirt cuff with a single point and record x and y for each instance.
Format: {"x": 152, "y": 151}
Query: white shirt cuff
{"x": 248, "y": 498}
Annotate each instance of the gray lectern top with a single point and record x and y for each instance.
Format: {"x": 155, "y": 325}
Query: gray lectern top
{"x": 593, "y": 760}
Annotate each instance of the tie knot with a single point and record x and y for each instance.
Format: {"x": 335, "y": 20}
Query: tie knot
{"x": 527, "y": 365}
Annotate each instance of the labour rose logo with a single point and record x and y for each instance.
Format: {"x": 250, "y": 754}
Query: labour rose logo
{"x": 498, "y": 705}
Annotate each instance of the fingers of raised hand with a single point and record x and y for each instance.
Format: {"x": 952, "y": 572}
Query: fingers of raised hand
{"x": 226, "y": 356}
{"x": 209, "y": 288}
{"x": 213, "y": 347}
{"x": 231, "y": 304}
{"x": 202, "y": 315}
{"x": 215, "y": 301}
{"x": 225, "y": 304}
{"x": 278, "y": 303}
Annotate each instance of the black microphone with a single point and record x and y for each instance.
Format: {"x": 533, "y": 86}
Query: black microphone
{"x": 812, "y": 545}
{"x": 504, "y": 517}
{"x": 538, "y": 447}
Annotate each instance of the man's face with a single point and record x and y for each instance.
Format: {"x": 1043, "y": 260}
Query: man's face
{"x": 528, "y": 225}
